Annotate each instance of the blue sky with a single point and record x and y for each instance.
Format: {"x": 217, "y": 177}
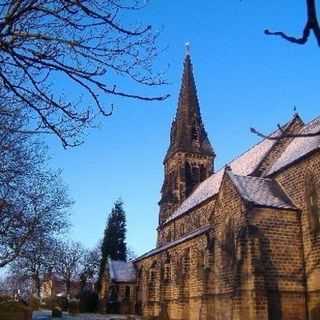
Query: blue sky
{"x": 244, "y": 79}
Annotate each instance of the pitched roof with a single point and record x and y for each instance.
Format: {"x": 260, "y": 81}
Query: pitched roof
{"x": 245, "y": 164}
{"x": 121, "y": 271}
{"x": 261, "y": 191}
{"x": 299, "y": 147}
{"x": 186, "y": 237}
{"x": 188, "y": 118}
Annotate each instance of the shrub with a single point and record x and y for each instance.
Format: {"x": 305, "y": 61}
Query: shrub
{"x": 13, "y": 310}
{"x": 50, "y": 303}
{"x": 56, "y": 312}
{"x": 74, "y": 306}
{"x": 88, "y": 301}
{"x": 62, "y": 302}
{"x": 34, "y": 303}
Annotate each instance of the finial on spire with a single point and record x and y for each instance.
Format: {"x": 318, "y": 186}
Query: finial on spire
{"x": 187, "y": 45}
{"x": 295, "y": 111}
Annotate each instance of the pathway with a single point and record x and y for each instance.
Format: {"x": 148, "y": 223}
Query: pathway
{"x": 46, "y": 315}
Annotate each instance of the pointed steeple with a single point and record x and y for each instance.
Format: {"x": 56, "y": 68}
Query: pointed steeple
{"x": 189, "y": 159}
{"x": 187, "y": 130}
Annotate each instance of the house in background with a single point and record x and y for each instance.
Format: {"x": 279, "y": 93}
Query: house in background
{"x": 54, "y": 286}
{"x": 119, "y": 287}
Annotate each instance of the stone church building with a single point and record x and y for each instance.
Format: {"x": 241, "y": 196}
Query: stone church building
{"x": 239, "y": 243}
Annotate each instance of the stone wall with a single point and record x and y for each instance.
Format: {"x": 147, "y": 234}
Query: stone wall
{"x": 186, "y": 223}
{"x": 295, "y": 181}
{"x": 172, "y": 282}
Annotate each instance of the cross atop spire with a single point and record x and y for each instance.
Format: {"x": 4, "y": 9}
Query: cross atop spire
{"x": 187, "y": 48}
{"x": 187, "y": 130}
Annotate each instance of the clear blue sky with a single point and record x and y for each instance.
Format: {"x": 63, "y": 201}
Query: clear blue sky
{"x": 244, "y": 79}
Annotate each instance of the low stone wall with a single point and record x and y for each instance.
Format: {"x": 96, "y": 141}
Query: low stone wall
{"x": 12, "y": 310}
{"x": 19, "y": 315}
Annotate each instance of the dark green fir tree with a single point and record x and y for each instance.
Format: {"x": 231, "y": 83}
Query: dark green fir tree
{"x": 114, "y": 240}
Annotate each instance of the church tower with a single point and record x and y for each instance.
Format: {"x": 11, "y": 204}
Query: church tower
{"x": 189, "y": 159}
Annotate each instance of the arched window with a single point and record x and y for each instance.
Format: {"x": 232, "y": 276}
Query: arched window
{"x": 195, "y": 175}
{"x": 182, "y": 229}
{"x": 168, "y": 236}
{"x": 197, "y": 221}
{"x": 152, "y": 280}
{"x": 127, "y": 292}
{"x": 167, "y": 269}
{"x": 113, "y": 294}
{"x": 185, "y": 262}
{"x": 229, "y": 246}
{"x": 203, "y": 173}
{"x": 312, "y": 203}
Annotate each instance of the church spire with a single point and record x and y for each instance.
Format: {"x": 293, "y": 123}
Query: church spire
{"x": 189, "y": 159}
{"x": 187, "y": 130}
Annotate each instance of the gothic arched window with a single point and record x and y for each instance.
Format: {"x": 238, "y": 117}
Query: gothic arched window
{"x": 127, "y": 292}
{"x": 167, "y": 269}
{"x": 168, "y": 236}
{"x": 182, "y": 229}
{"x": 185, "y": 262}
{"x": 312, "y": 203}
{"x": 152, "y": 280}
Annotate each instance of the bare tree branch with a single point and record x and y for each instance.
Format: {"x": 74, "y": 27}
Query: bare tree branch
{"x": 312, "y": 25}
{"x": 82, "y": 44}
{"x": 284, "y": 135}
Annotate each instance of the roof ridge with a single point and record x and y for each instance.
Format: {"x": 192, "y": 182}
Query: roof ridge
{"x": 310, "y": 122}
{"x": 252, "y": 177}
{"x": 257, "y": 143}
{"x": 186, "y": 237}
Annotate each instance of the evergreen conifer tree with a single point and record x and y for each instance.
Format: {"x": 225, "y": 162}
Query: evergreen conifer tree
{"x": 114, "y": 241}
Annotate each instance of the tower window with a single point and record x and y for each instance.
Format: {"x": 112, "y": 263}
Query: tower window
{"x": 194, "y": 132}
{"x": 189, "y": 182}
{"x": 203, "y": 173}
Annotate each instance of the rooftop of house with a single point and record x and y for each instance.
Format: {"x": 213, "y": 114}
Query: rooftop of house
{"x": 261, "y": 191}
{"x": 121, "y": 271}
{"x": 187, "y": 236}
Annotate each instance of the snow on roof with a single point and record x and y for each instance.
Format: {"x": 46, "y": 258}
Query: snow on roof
{"x": 121, "y": 271}
{"x": 261, "y": 191}
{"x": 299, "y": 146}
{"x": 245, "y": 164}
{"x": 186, "y": 237}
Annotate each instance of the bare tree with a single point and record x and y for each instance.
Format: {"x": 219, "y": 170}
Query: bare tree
{"x": 131, "y": 255}
{"x": 90, "y": 266}
{"x": 68, "y": 257}
{"x": 35, "y": 262}
{"x": 311, "y": 25}
{"x": 33, "y": 199}
{"x": 84, "y": 45}
{"x": 15, "y": 285}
